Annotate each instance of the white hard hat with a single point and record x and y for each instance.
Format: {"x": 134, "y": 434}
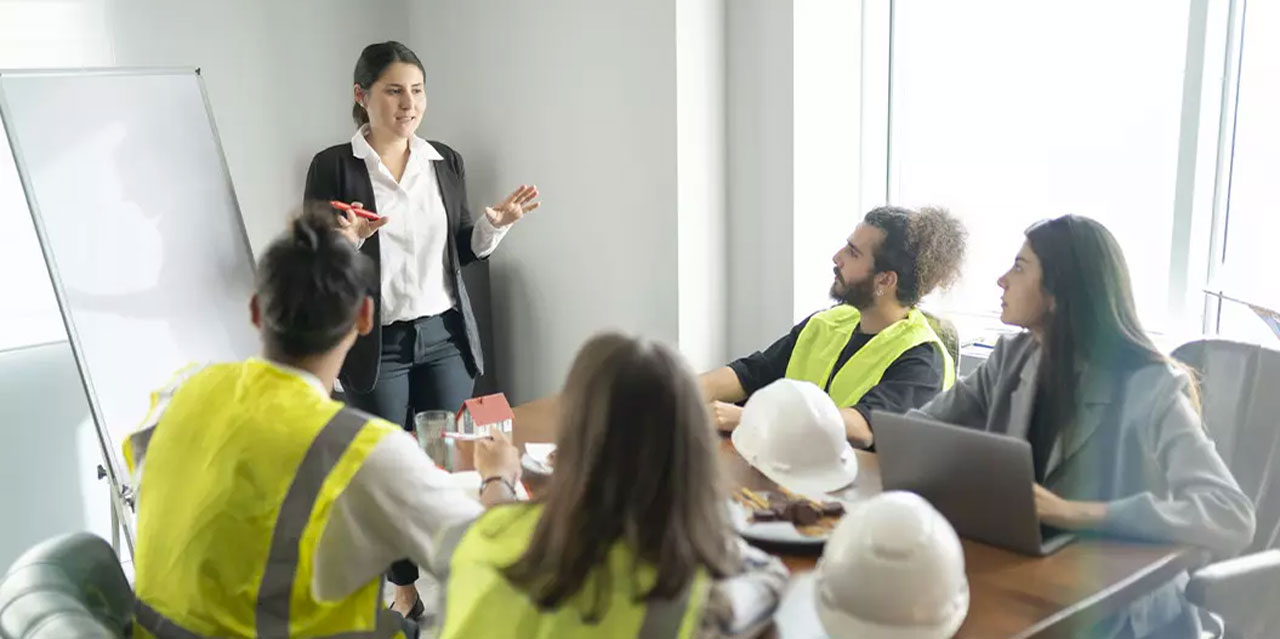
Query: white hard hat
{"x": 793, "y": 433}
{"x": 892, "y": 569}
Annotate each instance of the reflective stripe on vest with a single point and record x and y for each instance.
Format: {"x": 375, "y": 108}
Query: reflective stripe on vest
{"x": 663, "y": 619}
{"x": 282, "y": 564}
{"x": 390, "y": 624}
{"x": 825, "y": 336}
{"x": 158, "y": 625}
{"x": 273, "y": 603}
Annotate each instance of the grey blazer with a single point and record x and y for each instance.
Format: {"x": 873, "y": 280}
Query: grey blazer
{"x": 1137, "y": 444}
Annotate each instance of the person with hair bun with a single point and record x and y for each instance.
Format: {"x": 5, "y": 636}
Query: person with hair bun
{"x": 874, "y": 349}
{"x": 268, "y": 509}
{"x": 423, "y": 351}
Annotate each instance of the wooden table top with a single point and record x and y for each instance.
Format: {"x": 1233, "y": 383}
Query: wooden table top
{"x": 1011, "y": 595}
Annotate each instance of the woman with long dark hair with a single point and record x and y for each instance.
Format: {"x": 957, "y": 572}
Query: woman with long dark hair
{"x": 633, "y": 537}
{"x": 424, "y": 350}
{"x": 1116, "y": 436}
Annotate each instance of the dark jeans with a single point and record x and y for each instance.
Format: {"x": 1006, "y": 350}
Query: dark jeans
{"x": 422, "y": 368}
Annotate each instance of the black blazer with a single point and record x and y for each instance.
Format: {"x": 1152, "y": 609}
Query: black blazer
{"x": 336, "y": 174}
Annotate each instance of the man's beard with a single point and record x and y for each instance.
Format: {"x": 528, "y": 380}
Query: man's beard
{"x": 860, "y": 294}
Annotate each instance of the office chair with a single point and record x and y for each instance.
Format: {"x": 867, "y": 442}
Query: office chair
{"x": 68, "y": 587}
{"x": 1241, "y": 408}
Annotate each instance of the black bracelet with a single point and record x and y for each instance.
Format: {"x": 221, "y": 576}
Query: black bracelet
{"x": 510, "y": 487}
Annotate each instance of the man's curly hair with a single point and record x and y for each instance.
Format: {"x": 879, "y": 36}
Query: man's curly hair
{"x": 925, "y": 247}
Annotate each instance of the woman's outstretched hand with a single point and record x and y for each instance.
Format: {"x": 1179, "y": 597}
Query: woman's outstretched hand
{"x": 517, "y": 205}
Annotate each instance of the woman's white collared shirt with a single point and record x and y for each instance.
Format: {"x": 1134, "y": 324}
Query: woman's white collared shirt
{"x": 415, "y": 269}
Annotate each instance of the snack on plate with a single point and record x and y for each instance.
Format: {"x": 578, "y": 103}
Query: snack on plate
{"x": 810, "y": 517}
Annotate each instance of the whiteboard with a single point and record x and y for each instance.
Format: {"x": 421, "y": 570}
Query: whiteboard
{"x": 139, "y": 226}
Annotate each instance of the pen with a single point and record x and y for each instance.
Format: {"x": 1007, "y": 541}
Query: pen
{"x": 344, "y": 207}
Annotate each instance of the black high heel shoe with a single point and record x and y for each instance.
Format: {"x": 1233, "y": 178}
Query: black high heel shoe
{"x": 416, "y": 612}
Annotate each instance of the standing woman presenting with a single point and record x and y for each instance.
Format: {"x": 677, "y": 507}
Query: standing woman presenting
{"x": 424, "y": 351}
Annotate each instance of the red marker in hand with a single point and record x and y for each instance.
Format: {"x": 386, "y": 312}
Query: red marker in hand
{"x": 347, "y": 208}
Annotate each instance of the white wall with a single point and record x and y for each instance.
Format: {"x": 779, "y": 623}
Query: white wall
{"x": 278, "y": 75}
{"x": 578, "y": 97}
{"x": 761, "y": 180}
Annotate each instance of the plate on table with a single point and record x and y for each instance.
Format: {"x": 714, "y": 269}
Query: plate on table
{"x": 539, "y": 458}
{"x": 782, "y": 517}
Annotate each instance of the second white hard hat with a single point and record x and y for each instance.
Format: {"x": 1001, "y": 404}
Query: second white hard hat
{"x": 892, "y": 569}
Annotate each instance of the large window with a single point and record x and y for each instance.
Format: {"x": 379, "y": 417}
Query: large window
{"x": 1250, "y": 268}
{"x": 1008, "y": 112}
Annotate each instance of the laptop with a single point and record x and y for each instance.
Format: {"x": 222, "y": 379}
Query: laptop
{"x": 981, "y": 482}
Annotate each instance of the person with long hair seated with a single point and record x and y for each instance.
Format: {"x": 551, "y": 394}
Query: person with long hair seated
{"x": 632, "y": 537}
{"x": 1117, "y": 441}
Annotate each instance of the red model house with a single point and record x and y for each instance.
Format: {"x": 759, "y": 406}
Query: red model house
{"x": 480, "y": 414}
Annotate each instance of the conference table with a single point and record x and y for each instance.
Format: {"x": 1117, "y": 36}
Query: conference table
{"x": 1011, "y": 595}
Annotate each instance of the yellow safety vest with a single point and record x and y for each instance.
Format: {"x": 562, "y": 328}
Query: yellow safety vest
{"x": 241, "y": 472}
{"x": 482, "y": 603}
{"x": 825, "y": 335}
